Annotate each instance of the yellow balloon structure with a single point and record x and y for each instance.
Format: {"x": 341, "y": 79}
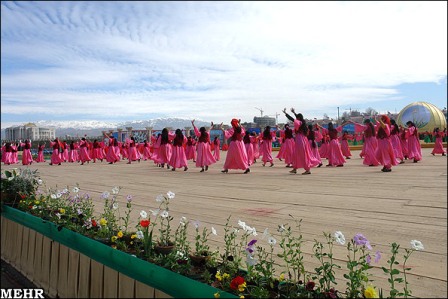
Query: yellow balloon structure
{"x": 424, "y": 115}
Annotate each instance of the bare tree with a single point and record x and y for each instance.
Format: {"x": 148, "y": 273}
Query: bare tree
{"x": 371, "y": 111}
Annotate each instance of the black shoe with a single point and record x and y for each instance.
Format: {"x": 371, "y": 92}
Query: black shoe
{"x": 294, "y": 171}
{"x": 202, "y": 170}
{"x": 206, "y": 168}
{"x": 272, "y": 164}
{"x": 340, "y": 165}
{"x": 174, "y": 169}
{"x": 401, "y": 162}
{"x": 185, "y": 168}
{"x": 247, "y": 170}
{"x": 225, "y": 171}
{"x": 111, "y": 163}
{"x": 320, "y": 165}
{"x": 306, "y": 172}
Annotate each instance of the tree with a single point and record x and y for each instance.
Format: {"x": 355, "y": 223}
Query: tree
{"x": 371, "y": 111}
{"x": 326, "y": 116}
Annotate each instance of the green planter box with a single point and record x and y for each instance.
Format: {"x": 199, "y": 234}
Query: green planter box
{"x": 159, "y": 278}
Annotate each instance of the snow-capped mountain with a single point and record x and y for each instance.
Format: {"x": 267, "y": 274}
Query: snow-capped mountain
{"x": 94, "y": 128}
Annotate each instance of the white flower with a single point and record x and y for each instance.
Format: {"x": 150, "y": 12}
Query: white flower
{"x": 417, "y": 245}
{"x": 65, "y": 191}
{"x": 10, "y": 178}
{"x": 242, "y": 224}
{"x": 58, "y": 195}
{"x": 115, "y": 205}
{"x": 214, "y": 231}
{"x": 250, "y": 260}
{"x": 75, "y": 190}
{"x": 53, "y": 196}
{"x": 196, "y": 223}
{"x": 34, "y": 207}
{"x": 251, "y": 231}
{"x": 340, "y": 238}
{"x": 160, "y": 198}
{"x": 170, "y": 194}
{"x": 139, "y": 234}
{"x": 105, "y": 195}
{"x": 272, "y": 241}
{"x": 179, "y": 254}
{"x": 115, "y": 190}
{"x": 183, "y": 220}
{"x": 58, "y": 215}
{"x": 164, "y": 214}
{"x": 143, "y": 214}
{"x": 39, "y": 182}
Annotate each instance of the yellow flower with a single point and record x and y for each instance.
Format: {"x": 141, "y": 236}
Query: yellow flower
{"x": 218, "y": 276}
{"x": 133, "y": 236}
{"x": 62, "y": 211}
{"x": 370, "y": 292}
{"x": 113, "y": 239}
{"x": 225, "y": 276}
{"x": 241, "y": 287}
{"x": 36, "y": 202}
{"x": 282, "y": 277}
{"x": 103, "y": 221}
{"x": 242, "y": 297}
{"x": 120, "y": 234}
{"x": 217, "y": 295}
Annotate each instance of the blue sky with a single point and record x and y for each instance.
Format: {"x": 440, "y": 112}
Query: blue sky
{"x": 118, "y": 61}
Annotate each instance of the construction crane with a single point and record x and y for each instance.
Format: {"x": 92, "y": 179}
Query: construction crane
{"x": 261, "y": 111}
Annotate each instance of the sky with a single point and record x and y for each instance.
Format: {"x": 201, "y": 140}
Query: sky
{"x": 214, "y": 61}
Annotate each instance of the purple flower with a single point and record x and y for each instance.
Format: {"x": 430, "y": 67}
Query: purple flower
{"x": 368, "y": 259}
{"x": 360, "y": 240}
{"x": 377, "y": 256}
{"x": 129, "y": 198}
{"x": 251, "y": 243}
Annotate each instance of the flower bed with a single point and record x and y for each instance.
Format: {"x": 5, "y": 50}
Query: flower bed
{"x": 249, "y": 265}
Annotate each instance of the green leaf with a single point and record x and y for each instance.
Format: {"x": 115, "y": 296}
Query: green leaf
{"x": 395, "y": 272}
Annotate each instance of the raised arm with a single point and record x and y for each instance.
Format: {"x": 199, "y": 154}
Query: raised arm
{"x": 287, "y": 115}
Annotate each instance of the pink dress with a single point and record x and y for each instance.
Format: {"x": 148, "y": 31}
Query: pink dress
{"x": 65, "y": 152}
{"x": 40, "y": 154}
{"x": 438, "y": 145}
{"x": 369, "y": 145}
{"x": 7, "y": 158}
{"x": 256, "y": 147}
{"x": 335, "y": 157}
{"x": 204, "y": 153}
{"x": 27, "y": 158}
{"x": 190, "y": 149}
{"x": 73, "y": 155}
{"x": 385, "y": 152}
{"x": 133, "y": 154}
{"x": 236, "y": 155}
{"x": 249, "y": 145}
{"x": 55, "y": 156}
{"x": 216, "y": 150}
{"x": 344, "y": 146}
{"x": 178, "y": 158}
{"x": 83, "y": 151}
{"x": 302, "y": 157}
{"x": 146, "y": 151}
{"x": 324, "y": 149}
{"x": 415, "y": 149}
{"x": 266, "y": 148}
{"x": 404, "y": 135}
{"x": 396, "y": 144}
{"x": 165, "y": 149}
{"x": 111, "y": 155}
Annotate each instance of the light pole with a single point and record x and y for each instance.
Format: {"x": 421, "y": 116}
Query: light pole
{"x": 338, "y": 115}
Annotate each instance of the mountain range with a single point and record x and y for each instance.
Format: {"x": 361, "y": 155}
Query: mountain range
{"x": 94, "y": 128}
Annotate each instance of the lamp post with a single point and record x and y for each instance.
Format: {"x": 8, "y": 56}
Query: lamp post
{"x": 338, "y": 115}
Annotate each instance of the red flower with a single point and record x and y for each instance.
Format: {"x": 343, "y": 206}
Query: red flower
{"x": 236, "y": 282}
{"x": 22, "y": 196}
{"x": 310, "y": 285}
{"x": 94, "y": 223}
{"x": 144, "y": 222}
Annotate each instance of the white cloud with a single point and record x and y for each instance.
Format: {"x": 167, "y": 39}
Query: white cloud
{"x": 215, "y": 60}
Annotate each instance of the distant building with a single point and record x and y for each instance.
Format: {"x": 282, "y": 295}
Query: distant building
{"x": 264, "y": 121}
{"x": 29, "y": 131}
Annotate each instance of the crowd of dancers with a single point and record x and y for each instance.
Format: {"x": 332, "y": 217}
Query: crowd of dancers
{"x": 302, "y": 146}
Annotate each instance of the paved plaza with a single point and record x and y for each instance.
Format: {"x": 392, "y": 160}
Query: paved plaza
{"x": 406, "y": 204}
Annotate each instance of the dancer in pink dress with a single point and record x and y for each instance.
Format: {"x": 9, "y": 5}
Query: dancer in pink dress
{"x": 111, "y": 155}
{"x": 325, "y": 145}
{"x": 313, "y": 144}
{"x": 395, "y": 140}
{"x": 404, "y": 135}
{"x": 190, "y": 149}
{"x": 216, "y": 150}
{"x": 73, "y": 155}
{"x": 335, "y": 156}
{"x": 236, "y": 155}
{"x": 302, "y": 158}
{"x": 204, "y": 156}
{"x": 414, "y": 147}
{"x": 178, "y": 157}
{"x": 146, "y": 155}
{"x": 256, "y": 145}
{"x": 40, "y": 153}
{"x": 7, "y": 157}
{"x": 248, "y": 144}
{"x": 133, "y": 154}
{"x": 83, "y": 151}
{"x": 266, "y": 146}
{"x": 55, "y": 156}
{"x": 370, "y": 142}
{"x": 166, "y": 148}
{"x": 27, "y": 158}
{"x": 384, "y": 152}
{"x": 97, "y": 152}
{"x": 344, "y": 145}
{"x": 438, "y": 145}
